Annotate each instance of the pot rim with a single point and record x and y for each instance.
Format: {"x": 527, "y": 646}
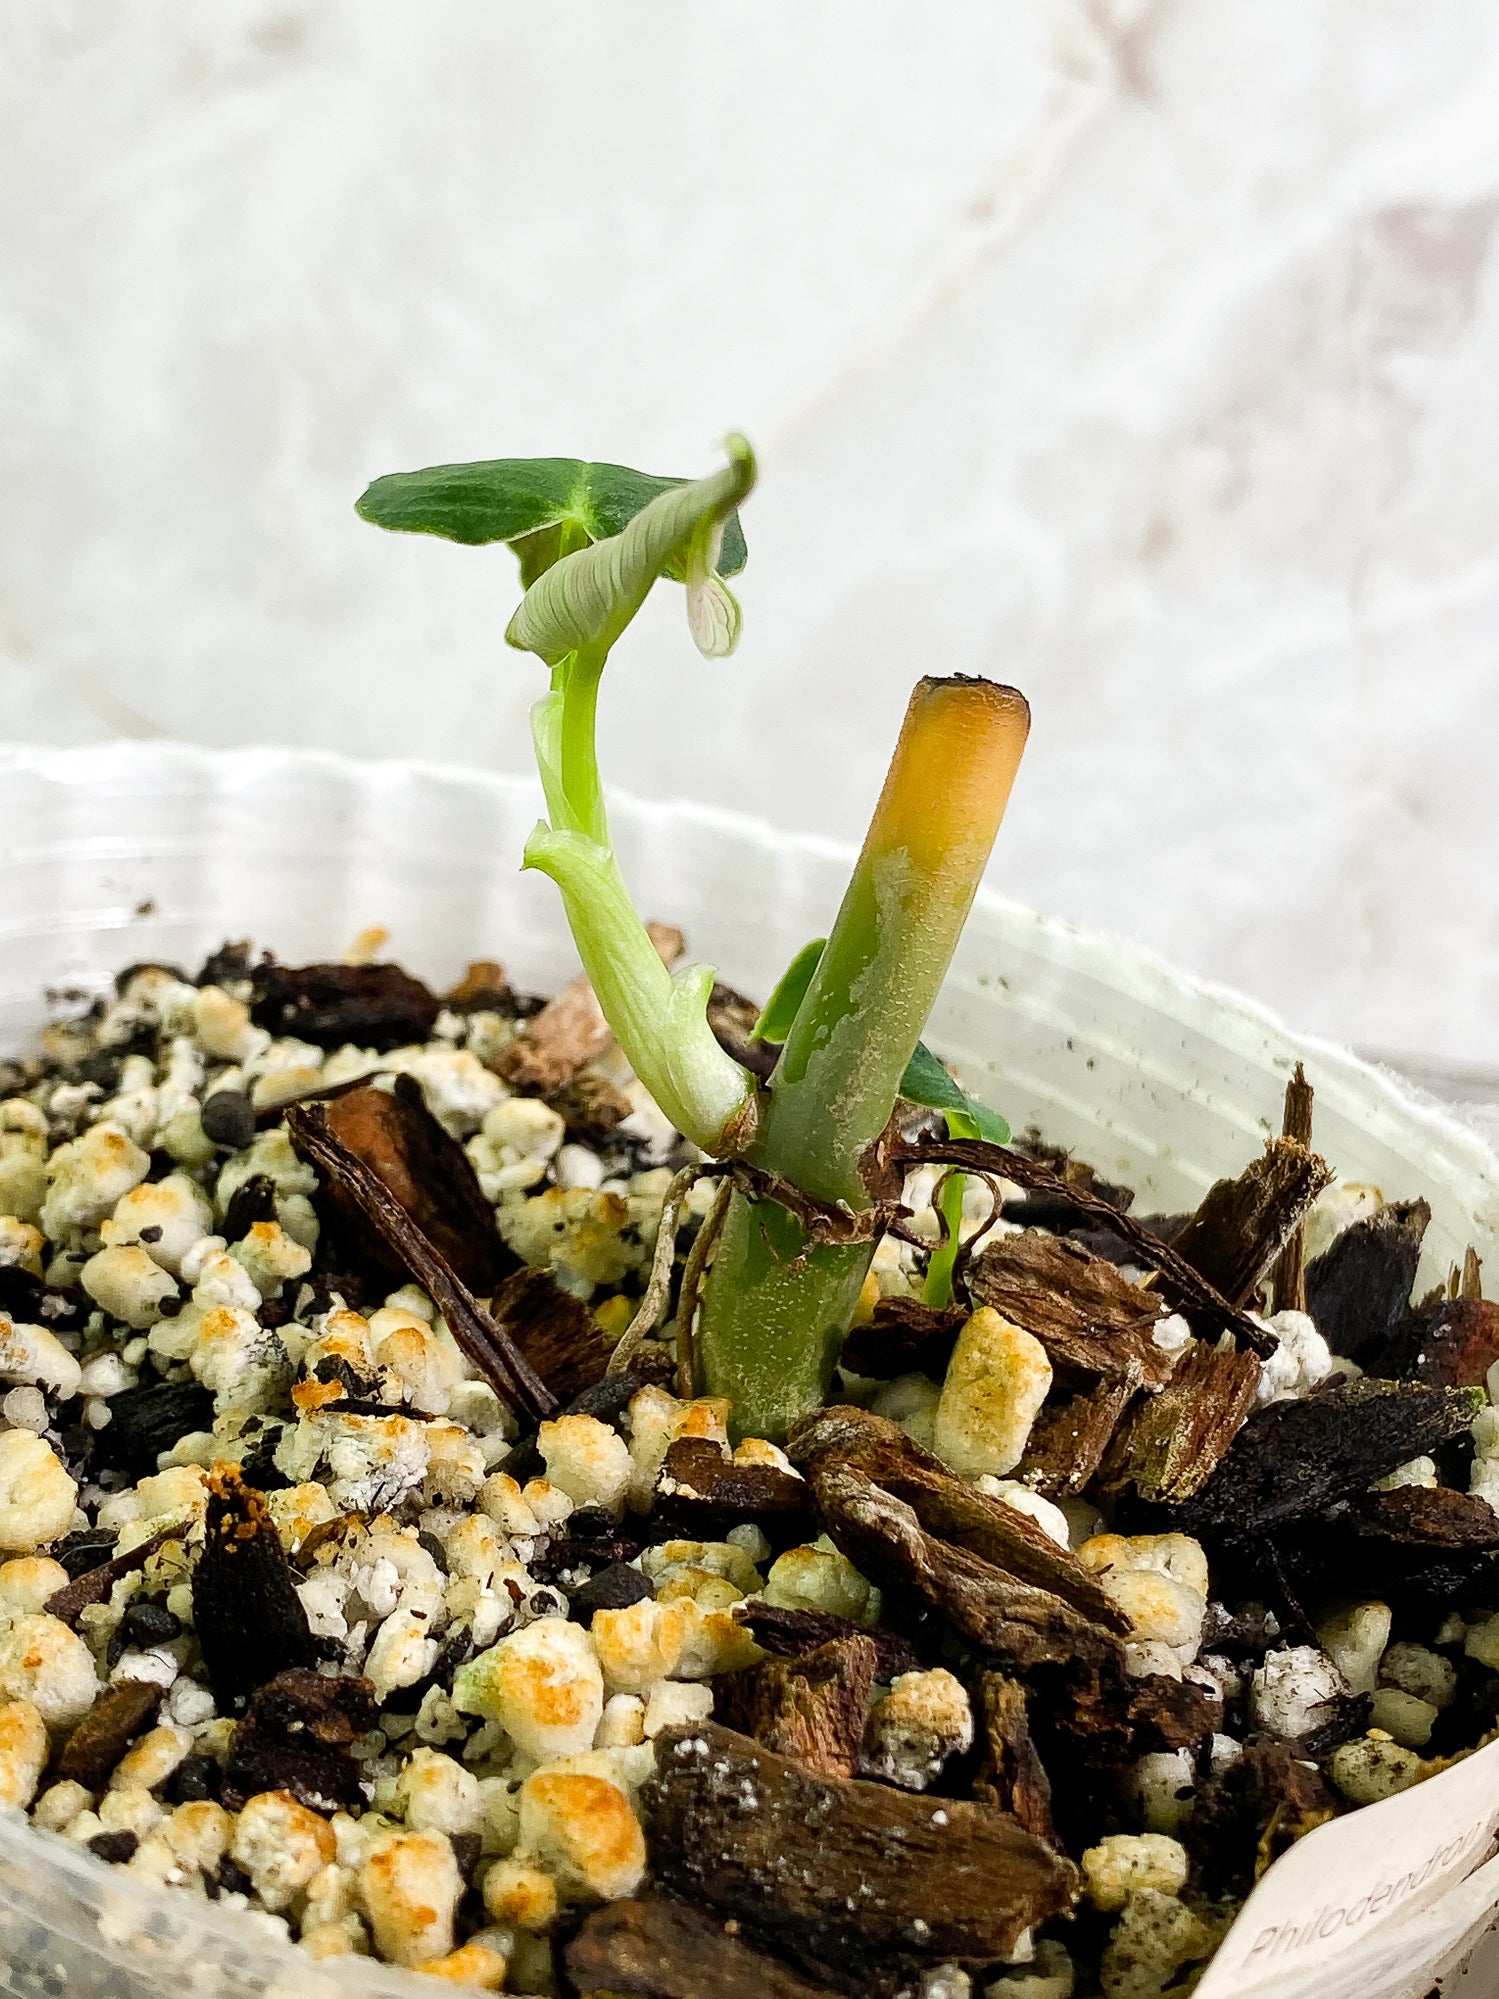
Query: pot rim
{"x": 1150, "y": 974}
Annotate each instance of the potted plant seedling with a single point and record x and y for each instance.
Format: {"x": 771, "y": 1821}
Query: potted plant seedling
{"x": 848, "y": 1015}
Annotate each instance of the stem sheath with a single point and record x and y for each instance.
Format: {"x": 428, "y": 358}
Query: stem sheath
{"x": 775, "y": 1309}
{"x": 923, "y": 857}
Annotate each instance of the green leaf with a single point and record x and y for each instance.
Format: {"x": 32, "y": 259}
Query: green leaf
{"x": 586, "y": 599}
{"x": 927, "y": 1082}
{"x": 543, "y": 507}
{"x": 774, "y": 1023}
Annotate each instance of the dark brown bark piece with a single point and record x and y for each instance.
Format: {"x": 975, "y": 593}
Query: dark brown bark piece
{"x": 1263, "y": 1802}
{"x": 1454, "y": 1344}
{"x": 1288, "y": 1283}
{"x": 556, "y": 1333}
{"x": 591, "y": 1107}
{"x": 1298, "y": 1458}
{"x": 570, "y": 1030}
{"x": 249, "y": 1618}
{"x": 1180, "y": 1283}
{"x": 296, "y": 1736}
{"x": 660, "y": 1948}
{"x": 1170, "y": 1714}
{"x": 373, "y": 1006}
{"x": 1417, "y": 1548}
{"x": 1174, "y": 1442}
{"x": 1109, "y": 1717}
{"x": 96, "y": 1585}
{"x": 1076, "y": 1304}
{"x": 483, "y": 987}
{"x": 795, "y": 1634}
{"x": 1019, "y": 1626}
{"x": 703, "y": 1493}
{"x": 1359, "y": 1290}
{"x": 476, "y": 1330}
{"x": 1243, "y": 1224}
{"x": 844, "y": 1438}
{"x": 1069, "y": 1439}
{"x": 813, "y": 1710}
{"x": 565, "y": 1557}
{"x": 116, "y": 1718}
{"x": 428, "y": 1172}
{"x": 732, "y": 1018}
{"x": 903, "y": 1337}
{"x": 1427, "y": 1517}
{"x": 226, "y": 966}
{"x": 1108, "y": 1243}
{"x": 1012, "y": 1776}
{"x": 843, "y": 1869}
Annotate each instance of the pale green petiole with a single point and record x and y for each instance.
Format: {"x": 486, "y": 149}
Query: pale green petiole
{"x": 571, "y": 615}
{"x": 660, "y": 1022}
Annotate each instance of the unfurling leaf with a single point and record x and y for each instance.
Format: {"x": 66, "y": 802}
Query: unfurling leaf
{"x": 927, "y": 1082}
{"x": 586, "y": 599}
{"x": 774, "y": 1023}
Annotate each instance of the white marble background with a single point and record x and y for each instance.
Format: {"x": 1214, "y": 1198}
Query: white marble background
{"x": 1144, "y": 352}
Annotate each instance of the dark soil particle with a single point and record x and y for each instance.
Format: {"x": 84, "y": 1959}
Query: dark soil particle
{"x": 117, "y": 1847}
{"x": 253, "y": 1202}
{"x": 27, "y": 1298}
{"x": 230, "y": 1879}
{"x": 456, "y": 1649}
{"x": 87, "y": 1549}
{"x": 613, "y": 1588}
{"x": 229, "y": 1118}
{"x": 147, "y": 1624}
{"x": 145, "y": 1422}
{"x": 196, "y": 1779}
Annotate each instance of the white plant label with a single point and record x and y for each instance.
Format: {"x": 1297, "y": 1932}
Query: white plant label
{"x": 1330, "y": 1916}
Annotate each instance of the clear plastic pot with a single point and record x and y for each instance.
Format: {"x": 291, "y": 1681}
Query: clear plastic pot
{"x": 127, "y": 852}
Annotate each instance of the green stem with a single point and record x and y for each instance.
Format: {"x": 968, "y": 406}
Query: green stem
{"x": 839, "y": 1073}
{"x": 787, "y": 1303}
{"x": 937, "y": 1289}
{"x": 660, "y": 1022}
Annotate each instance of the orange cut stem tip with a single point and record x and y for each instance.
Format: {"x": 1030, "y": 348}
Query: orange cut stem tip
{"x": 951, "y": 775}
